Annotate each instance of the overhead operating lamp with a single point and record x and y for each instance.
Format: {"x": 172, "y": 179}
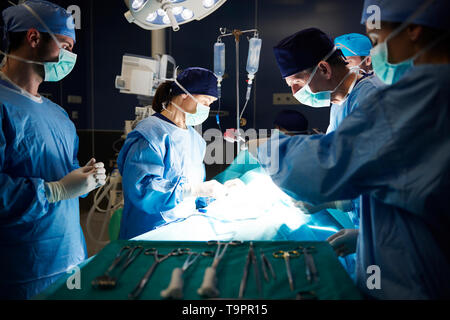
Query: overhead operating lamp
{"x": 159, "y": 14}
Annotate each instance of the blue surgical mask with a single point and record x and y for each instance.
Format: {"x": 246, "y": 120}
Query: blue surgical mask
{"x": 390, "y": 73}
{"x": 197, "y": 118}
{"x": 322, "y": 98}
{"x": 54, "y": 71}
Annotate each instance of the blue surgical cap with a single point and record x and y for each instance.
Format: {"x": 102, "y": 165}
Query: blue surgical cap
{"x": 353, "y": 44}
{"x": 302, "y": 50}
{"x": 58, "y": 20}
{"x": 291, "y": 120}
{"x": 196, "y": 81}
{"x": 434, "y": 16}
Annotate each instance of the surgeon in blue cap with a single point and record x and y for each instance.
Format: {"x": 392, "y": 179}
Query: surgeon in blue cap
{"x": 161, "y": 161}
{"x": 40, "y": 178}
{"x": 394, "y": 150}
{"x": 356, "y": 49}
{"x": 319, "y": 76}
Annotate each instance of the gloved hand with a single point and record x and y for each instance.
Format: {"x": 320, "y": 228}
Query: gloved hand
{"x": 212, "y": 188}
{"x": 344, "y": 241}
{"x": 77, "y": 183}
{"x": 234, "y": 185}
{"x": 344, "y": 205}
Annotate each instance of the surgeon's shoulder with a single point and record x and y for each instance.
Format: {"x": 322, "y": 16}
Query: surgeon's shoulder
{"x": 151, "y": 129}
{"x": 54, "y": 107}
{"x": 198, "y": 137}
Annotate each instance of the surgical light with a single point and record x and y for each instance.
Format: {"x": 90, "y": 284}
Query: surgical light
{"x": 187, "y": 14}
{"x": 151, "y": 17}
{"x": 177, "y": 10}
{"x": 208, "y": 3}
{"x": 137, "y": 4}
{"x": 159, "y": 14}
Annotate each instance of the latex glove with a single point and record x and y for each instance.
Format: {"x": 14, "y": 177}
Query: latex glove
{"x": 212, "y": 188}
{"x": 344, "y": 205}
{"x": 234, "y": 185}
{"x": 344, "y": 241}
{"x": 77, "y": 183}
{"x": 252, "y": 146}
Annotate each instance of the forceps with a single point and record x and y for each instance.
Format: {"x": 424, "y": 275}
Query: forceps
{"x": 106, "y": 281}
{"x": 311, "y": 270}
{"x": 251, "y": 258}
{"x": 286, "y": 255}
{"x": 158, "y": 259}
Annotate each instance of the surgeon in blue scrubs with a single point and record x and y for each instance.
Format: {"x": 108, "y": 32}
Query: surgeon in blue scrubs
{"x": 161, "y": 161}
{"x": 394, "y": 150}
{"x": 319, "y": 76}
{"x": 40, "y": 179}
{"x": 356, "y": 49}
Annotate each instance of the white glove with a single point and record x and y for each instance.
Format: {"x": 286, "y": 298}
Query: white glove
{"x": 234, "y": 185}
{"x": 344, "y": 241}
{"x": 211, "y": 188}
{"x": 77, "y": 183}
{"x": 344, "y": 205}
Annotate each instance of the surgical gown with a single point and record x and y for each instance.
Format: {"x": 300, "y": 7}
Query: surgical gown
{"x": 39, "y": 241}
{"x": 395, "y": 151}
{"x": 157, "y": 159}
{"x": 363, "y": 88}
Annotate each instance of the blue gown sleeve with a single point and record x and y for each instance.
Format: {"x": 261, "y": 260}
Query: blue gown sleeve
{"x": 359, "y": 156}
{"x": 144, "y": 181}
{"x": 22, "y": 200}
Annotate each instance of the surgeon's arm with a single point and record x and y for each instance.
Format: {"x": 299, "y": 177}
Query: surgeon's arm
{"x": 22, "y": 199}
{"x": 143, "y": 179}
{"x": 356, "y": 158}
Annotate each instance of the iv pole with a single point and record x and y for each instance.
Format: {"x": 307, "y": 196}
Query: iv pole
{"x": 237, "y": 34}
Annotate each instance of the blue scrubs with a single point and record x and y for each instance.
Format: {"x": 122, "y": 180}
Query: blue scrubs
{"x": 363, "y": 88}
{"x": 157, "y": 159}
{"x": 39, "y": 241}
{"x": 395, "y": 151}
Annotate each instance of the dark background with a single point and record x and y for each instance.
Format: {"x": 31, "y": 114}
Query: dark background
{"x": 105, "y": 36}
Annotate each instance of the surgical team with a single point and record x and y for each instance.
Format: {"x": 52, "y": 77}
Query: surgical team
{"x": 385, "y": 158}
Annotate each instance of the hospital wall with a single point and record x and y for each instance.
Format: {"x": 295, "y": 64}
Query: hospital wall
{"x": 99, "y": 110}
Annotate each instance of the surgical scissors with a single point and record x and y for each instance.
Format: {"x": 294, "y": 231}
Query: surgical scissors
{"x": 175, "y": 288}
{"x": 286, "y": 255}
{"x": 251, "y": 258}
{"x": 208, "y": 287}
{"x": 106, "y": 281}
{"x": 158, "y": 259}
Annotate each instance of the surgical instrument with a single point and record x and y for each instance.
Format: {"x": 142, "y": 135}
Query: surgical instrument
{"x": 251, "y": 258}
{"x": 208, "y": 287}
{"x": 106, "y": 281}
{"x": 311, "y": 271}
{"x": 286, "y": 255}
{"x": 175, "y": 288}
{"x": 158, "y": 259}
{"x": 266, "y": 265}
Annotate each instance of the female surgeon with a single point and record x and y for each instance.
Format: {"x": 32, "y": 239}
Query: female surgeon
{"x": 161, "y": 161}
